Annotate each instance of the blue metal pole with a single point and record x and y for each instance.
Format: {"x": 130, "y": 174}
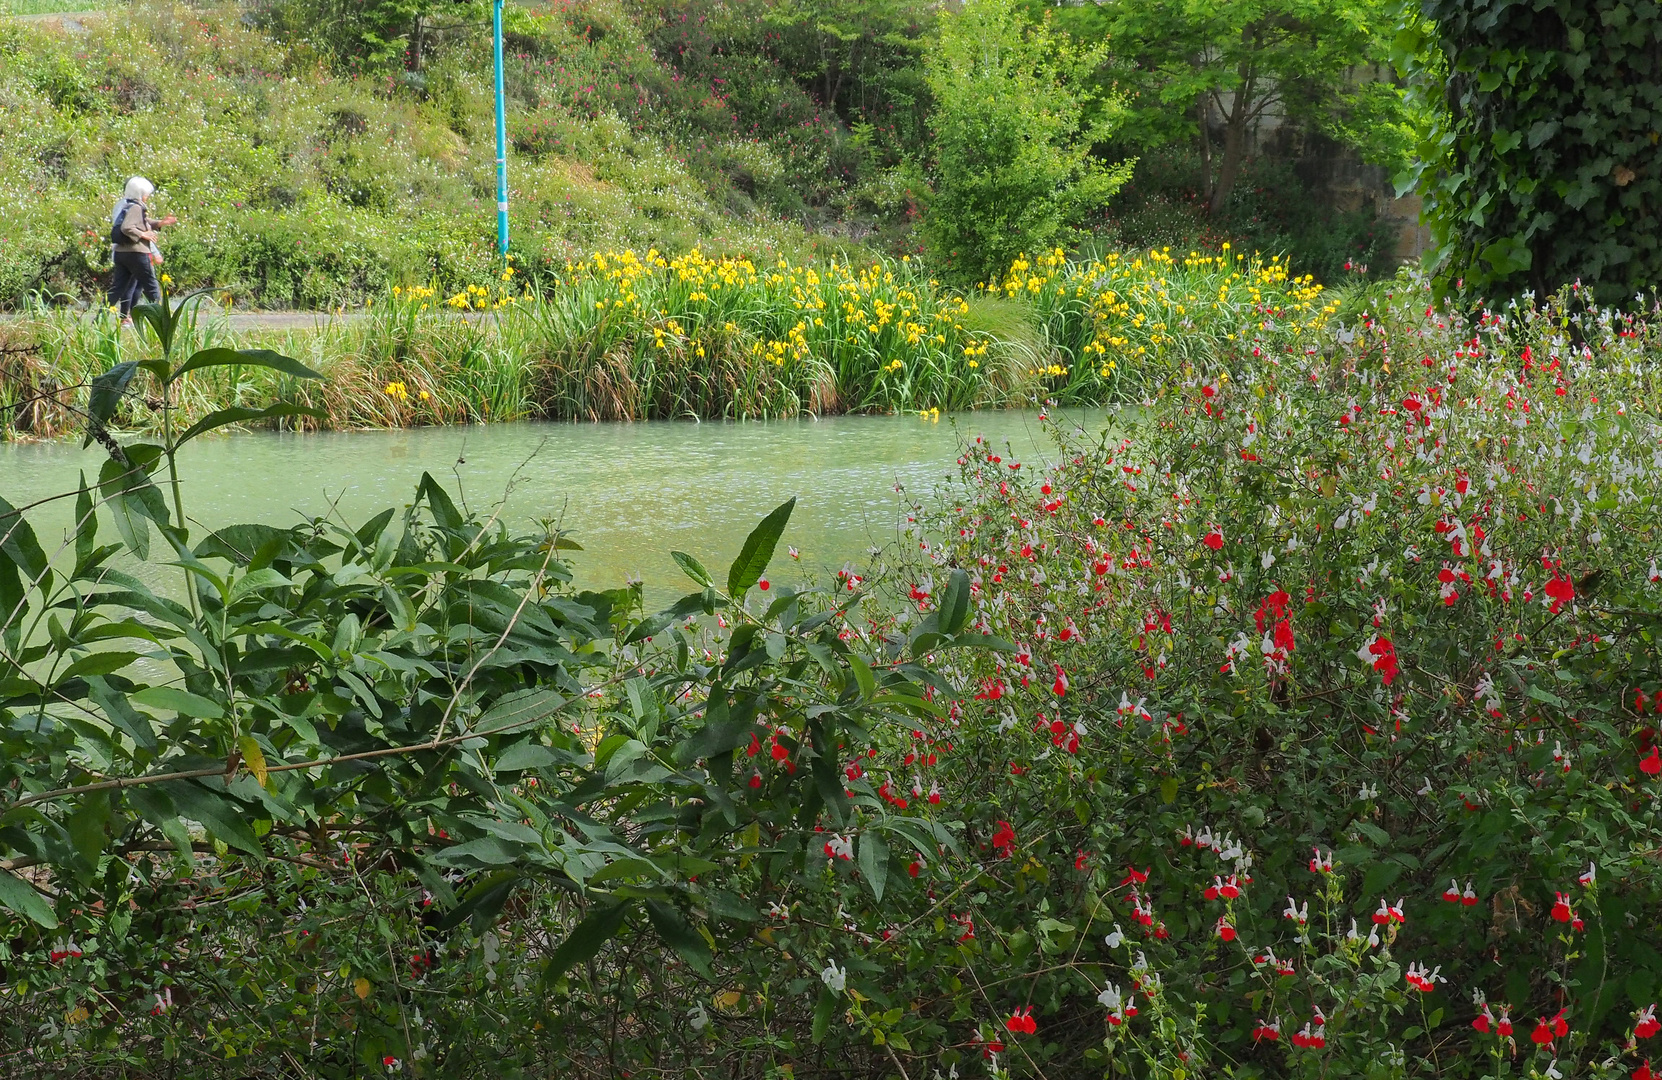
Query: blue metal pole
{"x": 501, "y": 142}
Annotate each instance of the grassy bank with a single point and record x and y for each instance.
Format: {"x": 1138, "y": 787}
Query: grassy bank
{"x": 299, "y": 183}
{"x": 628, "y": 336}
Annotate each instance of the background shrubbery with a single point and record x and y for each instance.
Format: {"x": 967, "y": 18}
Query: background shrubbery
{"x": 318, "y": 152}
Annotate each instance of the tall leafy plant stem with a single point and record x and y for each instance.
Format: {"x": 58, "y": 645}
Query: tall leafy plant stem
{"x": 171, "y": 450}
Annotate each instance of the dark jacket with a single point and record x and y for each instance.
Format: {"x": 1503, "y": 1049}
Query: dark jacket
{"x": 137, "y": 221}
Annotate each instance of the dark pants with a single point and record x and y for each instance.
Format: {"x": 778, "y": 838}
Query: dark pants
{"x": 134, "y": 274}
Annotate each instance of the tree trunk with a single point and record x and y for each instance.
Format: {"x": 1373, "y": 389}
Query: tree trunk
{"x": 1234, "y": 140}
{"x": 1201, "y": 116}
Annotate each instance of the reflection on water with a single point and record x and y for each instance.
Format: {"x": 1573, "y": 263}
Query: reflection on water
{"x": 629, "y": 493}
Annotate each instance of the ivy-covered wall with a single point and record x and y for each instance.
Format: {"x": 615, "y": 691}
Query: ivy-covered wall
{"x": 1547, "y": 167}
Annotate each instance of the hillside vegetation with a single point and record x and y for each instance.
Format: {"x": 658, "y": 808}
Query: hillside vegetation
{"x": 301, "y": 183}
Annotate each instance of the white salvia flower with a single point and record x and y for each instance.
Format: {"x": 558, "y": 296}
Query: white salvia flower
{"x": 834, "y": 977}
{"x": 697, "y": 1017}
{"x": 1427, "y": 789}
{"x": 1110, "y": 998}
{"x": 1116, "y": 939}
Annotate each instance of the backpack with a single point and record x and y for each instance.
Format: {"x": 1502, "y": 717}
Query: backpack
{"x": 116, "y": 235}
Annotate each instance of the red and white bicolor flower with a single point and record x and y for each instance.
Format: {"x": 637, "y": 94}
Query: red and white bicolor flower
{"x": 1321, "y": 864}
{"x": 1645, "y": 1024}
{"x": 840, "y": 847}
{"x": 1266, "y": 1031}
{"x": 1309, "y": 1038}
{"x": 1389, "y": 914}
{"x": 1424, "y": 979}
{"x": 1119, "y": 1009}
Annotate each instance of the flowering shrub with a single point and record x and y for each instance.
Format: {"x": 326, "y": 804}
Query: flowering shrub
{"x": 1302, "y": 723}
{"x": 1329, "y": 741}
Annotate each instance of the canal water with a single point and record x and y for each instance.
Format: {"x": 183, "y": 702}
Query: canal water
{"x": 629, "y": 493}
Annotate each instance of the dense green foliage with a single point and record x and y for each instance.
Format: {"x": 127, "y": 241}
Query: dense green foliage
{"x": 1203, "y": 72}
{"x": 1012, "y": 168}
{"x": 1541, "y": 167}
{"x": 388, "y": 797}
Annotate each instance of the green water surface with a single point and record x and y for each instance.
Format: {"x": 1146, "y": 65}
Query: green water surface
{"x": 629, "y": 493}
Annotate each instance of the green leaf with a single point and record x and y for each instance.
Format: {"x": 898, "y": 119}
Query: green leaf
{"x": 518, "y": 709}
{"x": 179, "y": 701}
{"x": 221, "y": 417}
{"x": 133, "y": 501}
{"x": 444, "y": 511}
{"x": 688, "y": 944}
{"x": 106, "y": 393}
{"x": 161, "y": 319}
{"x": 873, "y": 859}
{"x": 19, "y": 896}
{"x": 120, "y": 714}
{"x": 239, "y": 543}
{"x": 87, "y": 825}
{"x": 224, "y": 817}
{"x": 863, "y": 676}
{"x": 598, "y": 927}
{"x": 98, "y": 663}
{"x": 828, "y": 777}
{"x": 256, "y": 581}
{"x": 86, "y": 524}
{"x": 483, "y": 902}
{"x": 529, "y": 754}
{"x": 953, "y": 610}
{"x": 757, "y": 552}
{"x": 222, "y": 357}
{"x": 693, "y": 568}
{"x": 18, "y": 543}
{"x": 824, "y": 1009}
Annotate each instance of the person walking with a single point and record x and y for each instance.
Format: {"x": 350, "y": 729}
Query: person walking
{"x": 133, "y": 237}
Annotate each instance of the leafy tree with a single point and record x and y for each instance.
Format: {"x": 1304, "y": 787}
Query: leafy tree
{"x": 1187, "y": 62}
{"x": 1011, "y": 168}
{"x": 843, "y": 49}
{"x": 1542, "y": 166}
{"x": 374, "y": 33}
